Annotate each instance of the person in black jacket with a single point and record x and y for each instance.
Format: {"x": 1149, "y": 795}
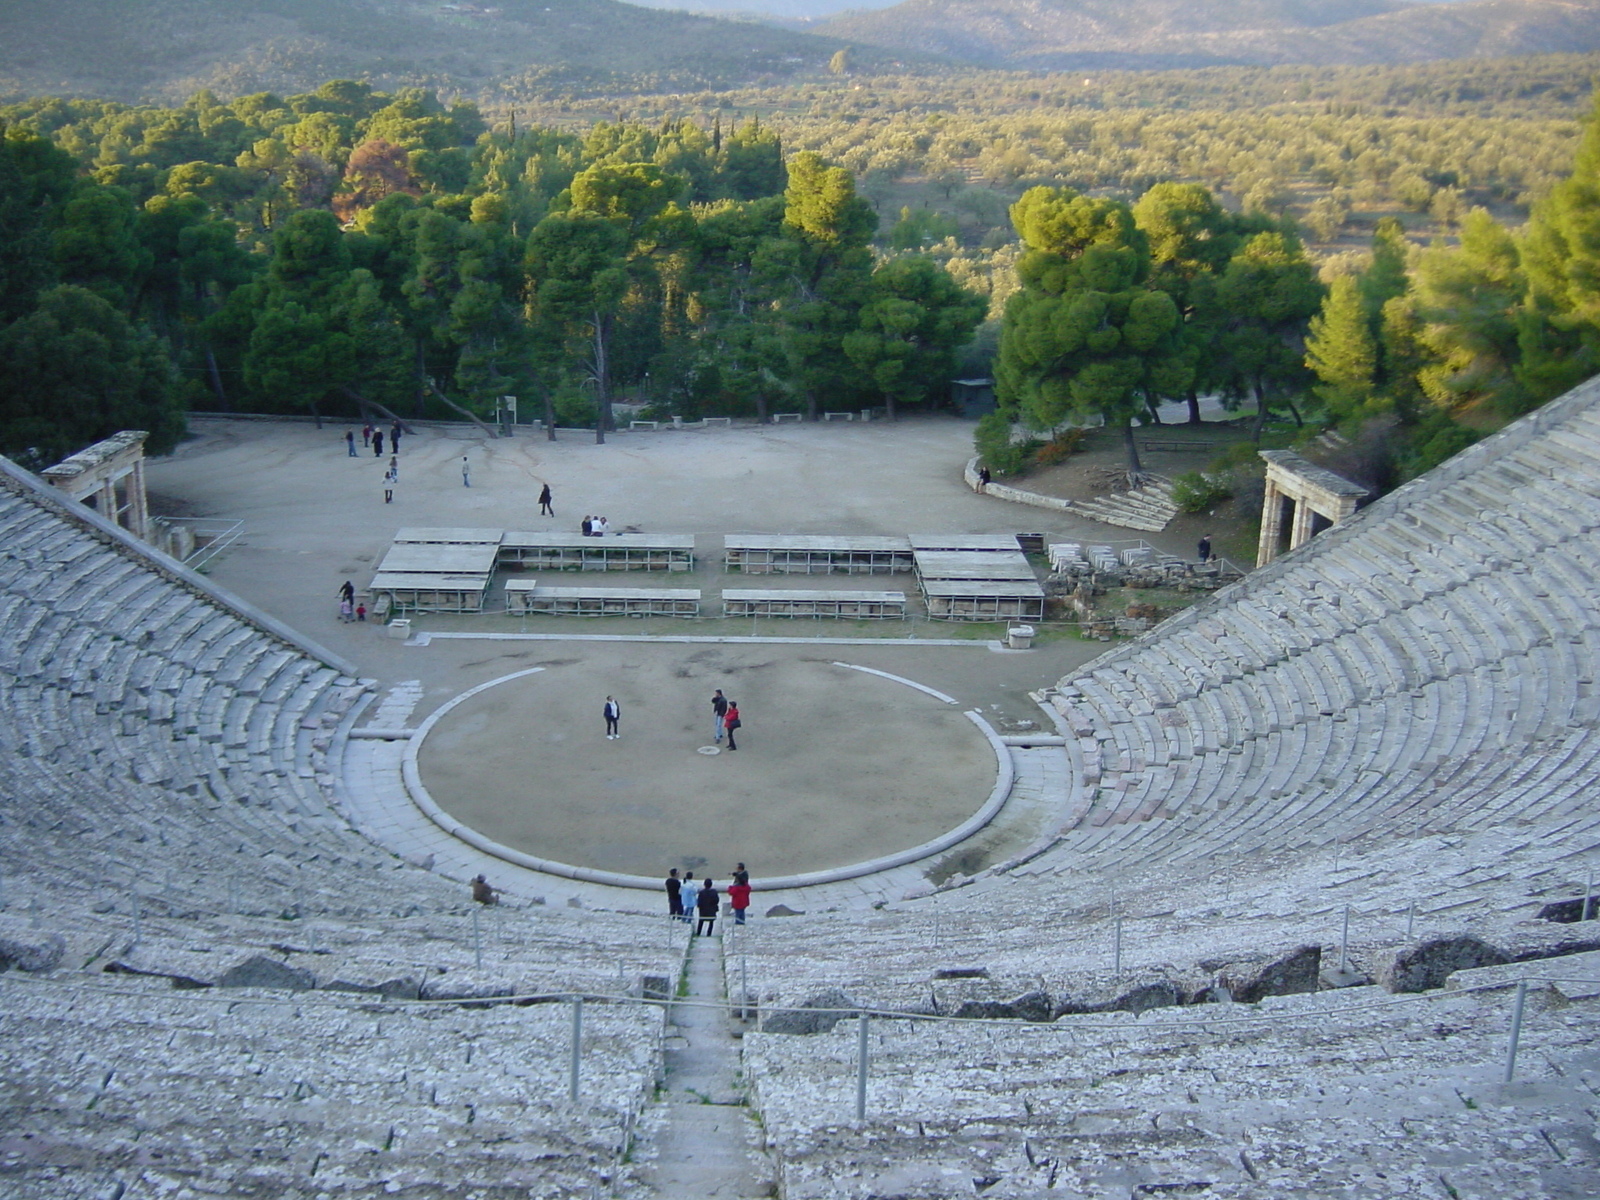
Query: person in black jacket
{"x": 708, "y": 903}
{"x": 674, "y": 894}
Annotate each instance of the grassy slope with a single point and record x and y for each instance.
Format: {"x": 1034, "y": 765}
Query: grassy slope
{"x": 1069, "y": 34}
{"x": 137, "y": 49}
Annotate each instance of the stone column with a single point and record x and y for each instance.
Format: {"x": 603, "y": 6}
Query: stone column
{"x": 1303, "y": 514}
{"x": 138, "y": 503}
{"x": 1271, "y": 523}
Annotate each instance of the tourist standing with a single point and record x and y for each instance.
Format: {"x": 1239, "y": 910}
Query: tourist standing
{"x": 347, "y": 612}
{"x": 739, "y": 898}
{"x": 394, "y": 438}
{"x": 377, "y": 443}
{"x": 691, "y": 892}
{"x": 719, "y": 710}
{"x": 390, "y": 478}
{"x": 347, "y": 590}
{"x": 545, "y": 507}
{"x": 674, "y": 894}
{"x": 613, "y": 715}
{"x": 707, "y": 904}
{"x": 466, "y": 473}
{"x": 731, "y": 721}
{"x": 350, "y": 441}
{"x": 366, "y": 434}
{"x": 361, "y": 612}
{"x": 1204, "y": 548}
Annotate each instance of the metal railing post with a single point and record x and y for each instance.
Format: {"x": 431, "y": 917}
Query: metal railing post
{"x": 1344, "y": 943}
{"x": 577, "y": 1049}
{"x": 861, "y": 1067}
{"x": 1516, "y": 1029}
{"x": 1411, "y": 917}
{"x": 744, "y": 987}
{"x": 1116, "y": 950}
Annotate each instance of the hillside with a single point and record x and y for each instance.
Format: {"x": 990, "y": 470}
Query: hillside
{"x": 1078, "y": 34}
{"x": 146, "y": 49}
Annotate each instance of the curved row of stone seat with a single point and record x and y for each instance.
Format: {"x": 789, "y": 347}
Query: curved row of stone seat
{"x": 1309, "y": 1096}
{"x": 134, "y": 1090}
{"x": 1041, "y": 927}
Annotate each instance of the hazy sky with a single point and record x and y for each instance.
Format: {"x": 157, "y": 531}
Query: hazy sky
{"x": 791, "y": 9}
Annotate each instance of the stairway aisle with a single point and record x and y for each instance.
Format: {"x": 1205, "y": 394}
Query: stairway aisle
{"x": 699, "y": 1140}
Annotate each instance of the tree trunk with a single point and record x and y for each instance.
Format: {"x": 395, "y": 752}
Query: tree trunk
{"x": 1135, "y": 469}
{"x": 216, "y": 379}
{"x": 449, "y": 403}
{"x": 375, "y": 406}
{"x": 1194, "y": 408}
{"x": 602, "y": 381}
{"x": 762, "y": 415}
{"x": 549, "y": 415}
{"x": 316, "y": 412}
{"x": 811, "y": 404}
{"x": 1261, "y": 413}
{"x": 888, "y": 406}
{"x": 422, "y": 381}
{"x": 1298, "y": 419}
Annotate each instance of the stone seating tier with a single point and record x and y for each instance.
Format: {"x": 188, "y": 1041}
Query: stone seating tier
{"x": 1307, "y": 1096}
{"x": 268, "y": 1094}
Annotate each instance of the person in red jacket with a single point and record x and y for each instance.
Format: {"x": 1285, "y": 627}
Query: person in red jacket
{"x": 739, "y": 897}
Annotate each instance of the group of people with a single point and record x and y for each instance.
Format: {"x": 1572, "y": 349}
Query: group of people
{"x": 594, "y": 526}
{"x": 374, "y": 438}
{"x": 725, "y": 718}
{"x": 702, "y": 903}
{"x": 349, "y": 609}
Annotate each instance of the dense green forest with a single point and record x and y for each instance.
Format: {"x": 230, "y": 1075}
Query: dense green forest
{"x": 832, "y": 245}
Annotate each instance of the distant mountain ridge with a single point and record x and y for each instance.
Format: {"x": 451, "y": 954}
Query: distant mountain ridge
{"x": 1167, "y": 34}
{"x": 145, "y": 49}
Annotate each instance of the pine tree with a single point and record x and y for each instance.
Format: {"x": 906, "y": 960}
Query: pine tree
{"x": 1341, "y": 350}
{"x": 1560, "y": 324}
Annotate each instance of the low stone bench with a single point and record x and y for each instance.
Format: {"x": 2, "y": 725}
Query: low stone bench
{"x": 801, "y": 602}
{"x": 524, "y": 596}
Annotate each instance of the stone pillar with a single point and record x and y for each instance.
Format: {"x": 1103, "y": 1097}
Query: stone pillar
{"x": 138, "y": 502}
{"x": 1271, "y": 523}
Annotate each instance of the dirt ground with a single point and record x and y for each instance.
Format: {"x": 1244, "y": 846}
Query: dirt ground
{"x": 527, "y": 763}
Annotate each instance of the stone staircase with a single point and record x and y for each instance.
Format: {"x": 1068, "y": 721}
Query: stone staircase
{"x": 1148, "y": 507}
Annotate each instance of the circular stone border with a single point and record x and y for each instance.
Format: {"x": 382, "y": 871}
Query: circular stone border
{"x": 418, "y": 791}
